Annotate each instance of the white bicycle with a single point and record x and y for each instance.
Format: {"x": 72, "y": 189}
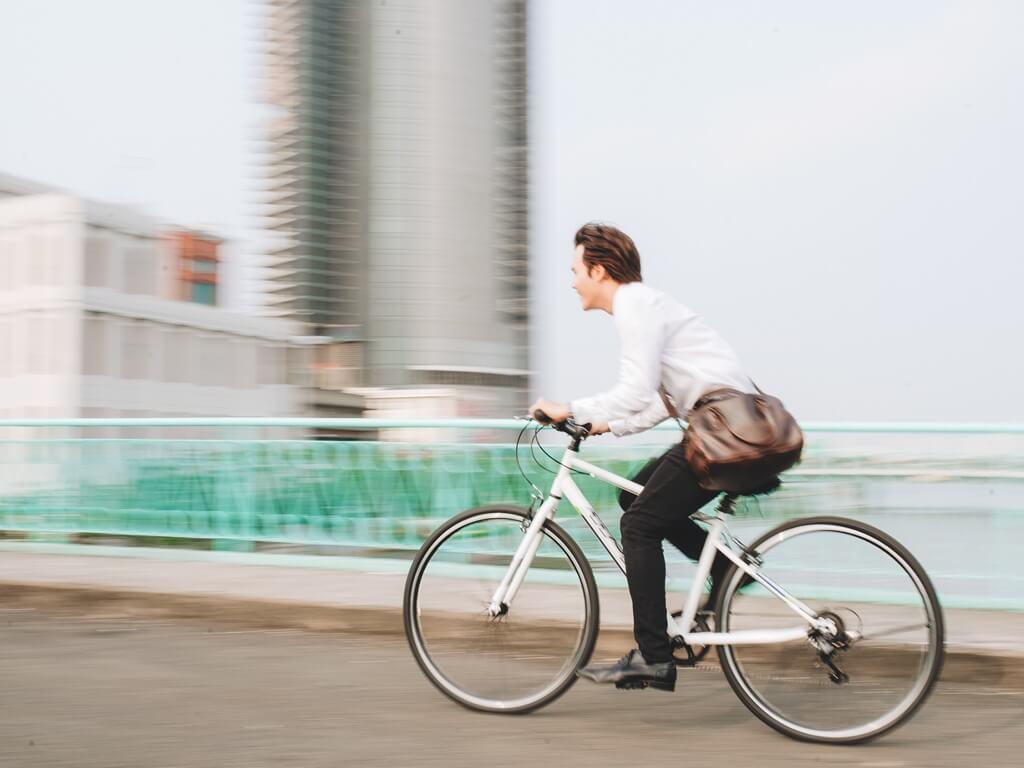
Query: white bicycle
{"x": 838, "y": 638}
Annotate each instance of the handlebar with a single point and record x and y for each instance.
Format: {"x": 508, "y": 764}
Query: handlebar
{"x": 569, "y": 426}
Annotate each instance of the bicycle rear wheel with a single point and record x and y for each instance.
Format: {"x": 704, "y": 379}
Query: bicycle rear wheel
{"x": 517, "y": 662}
{"x": 870, "y": 674}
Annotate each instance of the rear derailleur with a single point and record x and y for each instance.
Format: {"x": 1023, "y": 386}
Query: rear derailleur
{"x": 829, "y": 644}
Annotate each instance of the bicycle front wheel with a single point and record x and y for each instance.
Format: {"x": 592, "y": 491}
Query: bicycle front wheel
{"x": 513, "y": 663}
{"x": 868, "y": 675}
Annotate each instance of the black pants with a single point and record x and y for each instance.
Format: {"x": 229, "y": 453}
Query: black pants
{"x": 660, "y": 512}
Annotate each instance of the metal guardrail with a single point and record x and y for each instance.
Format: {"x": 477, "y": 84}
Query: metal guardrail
{"x": 255, "y": 483}
{"x": 874, "y": 427}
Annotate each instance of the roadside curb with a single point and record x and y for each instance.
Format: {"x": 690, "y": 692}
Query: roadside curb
{"x": 983, "y": 668}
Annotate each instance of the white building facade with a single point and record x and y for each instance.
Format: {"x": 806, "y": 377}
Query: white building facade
{"x": 85, "y": 331}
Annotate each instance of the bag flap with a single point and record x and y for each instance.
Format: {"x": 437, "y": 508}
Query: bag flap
{"x": 750, "y": 419}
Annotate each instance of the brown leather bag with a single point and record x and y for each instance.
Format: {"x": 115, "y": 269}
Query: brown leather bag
{"x": 739, "y": 443}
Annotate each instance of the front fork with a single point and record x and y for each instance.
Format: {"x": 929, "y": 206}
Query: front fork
{"x": 521, "y": 560}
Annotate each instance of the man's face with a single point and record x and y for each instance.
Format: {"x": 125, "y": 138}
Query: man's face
{"x": 584, "y": 284}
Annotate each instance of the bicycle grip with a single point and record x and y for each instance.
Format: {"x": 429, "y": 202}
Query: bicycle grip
{"x": 542, "y": 417}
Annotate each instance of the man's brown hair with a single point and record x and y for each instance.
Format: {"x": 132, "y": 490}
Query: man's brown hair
{"x": 611, "y": 248}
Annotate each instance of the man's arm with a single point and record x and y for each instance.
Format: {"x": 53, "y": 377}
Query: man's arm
{"x": 653, "y": 414}
{"x": 641, "y": 334}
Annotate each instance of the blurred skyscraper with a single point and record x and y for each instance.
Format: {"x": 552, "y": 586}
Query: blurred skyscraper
{"x": 398, "y": 194}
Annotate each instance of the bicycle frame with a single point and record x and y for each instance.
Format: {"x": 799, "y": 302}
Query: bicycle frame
{"x": 564, "y": 486}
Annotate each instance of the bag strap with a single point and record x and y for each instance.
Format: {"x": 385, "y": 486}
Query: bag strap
{"x": 670, "y": 407}
{"x": 674, "y": 412}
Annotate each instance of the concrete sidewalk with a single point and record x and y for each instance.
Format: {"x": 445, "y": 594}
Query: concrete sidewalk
{"x": 353, "y": 595}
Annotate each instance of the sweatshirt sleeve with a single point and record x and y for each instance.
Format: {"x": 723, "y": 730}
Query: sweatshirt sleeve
{"x": 653, "y": 414}
{"x": 641, "y": 335}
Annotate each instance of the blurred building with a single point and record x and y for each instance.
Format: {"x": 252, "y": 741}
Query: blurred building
{"x": 15, "y": 186}
{"x": 189, "y": 272}
{"x": 398, "y": 196}
{"x": 88, "y": 328}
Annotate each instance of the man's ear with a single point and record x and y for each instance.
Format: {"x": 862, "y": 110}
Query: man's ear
{"x": 598, "y": 273}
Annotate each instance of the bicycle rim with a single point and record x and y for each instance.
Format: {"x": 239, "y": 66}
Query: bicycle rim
{"x": 867, "y": 682}
{"x": 523, "y": 659}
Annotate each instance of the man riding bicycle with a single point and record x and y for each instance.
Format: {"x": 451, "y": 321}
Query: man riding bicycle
{"x": 670, "y": 362}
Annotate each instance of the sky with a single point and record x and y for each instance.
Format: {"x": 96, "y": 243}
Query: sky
{"x": 835, "y": 187}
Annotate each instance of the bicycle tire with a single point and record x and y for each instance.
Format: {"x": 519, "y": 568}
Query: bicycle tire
{"x": 931, "y": 667}
{"x": 411, "y": 612}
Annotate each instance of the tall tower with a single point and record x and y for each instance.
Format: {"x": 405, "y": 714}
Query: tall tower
{"x": 398, "y": 195}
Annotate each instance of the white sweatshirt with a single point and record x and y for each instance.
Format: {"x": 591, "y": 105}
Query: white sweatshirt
{"x": 664, "y": 344}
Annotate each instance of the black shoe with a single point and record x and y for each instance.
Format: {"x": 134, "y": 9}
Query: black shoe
{"x": 633, "y": 671}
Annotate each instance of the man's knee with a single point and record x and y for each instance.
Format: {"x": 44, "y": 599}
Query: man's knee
{"x": 626, "y": 498}
{"x": 637, "y": 525}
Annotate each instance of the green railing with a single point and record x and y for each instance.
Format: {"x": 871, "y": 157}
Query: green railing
{"x": 953, "y": 493}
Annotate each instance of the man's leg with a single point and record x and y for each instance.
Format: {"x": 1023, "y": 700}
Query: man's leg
{"x": 685, "y": 535}
{"x": 661, "y": 511}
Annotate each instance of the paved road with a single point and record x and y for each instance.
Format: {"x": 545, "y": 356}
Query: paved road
{"x": 83, "y": 690}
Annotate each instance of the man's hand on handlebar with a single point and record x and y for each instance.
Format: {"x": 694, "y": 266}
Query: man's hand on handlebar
{"x": 550, "y": 412}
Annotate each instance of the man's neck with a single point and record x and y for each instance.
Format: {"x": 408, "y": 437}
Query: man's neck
{"x": 608, "y": 300}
